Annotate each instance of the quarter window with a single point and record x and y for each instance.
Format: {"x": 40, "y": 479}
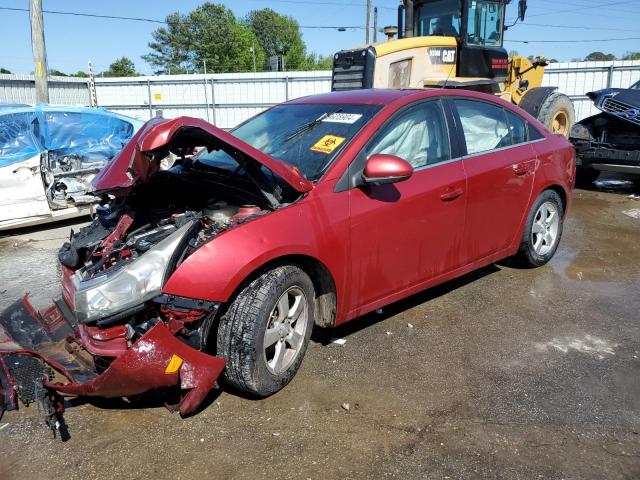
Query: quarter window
{"x": 419, "y": 135}
{"x": 484, "y": 125}
{"x": 518, "y": 128}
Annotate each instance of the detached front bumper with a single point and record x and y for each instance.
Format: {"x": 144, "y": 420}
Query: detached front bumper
{"x": 44, "y": 348}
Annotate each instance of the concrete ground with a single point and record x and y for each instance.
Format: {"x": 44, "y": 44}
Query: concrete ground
{"x": 504, "y": 373}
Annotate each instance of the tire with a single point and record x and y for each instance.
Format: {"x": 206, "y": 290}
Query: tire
{"x": 556, "y": 106}
{"x": 586, "y": 176}
{"x": 530, "y": 255}
{"x": 241, "y": 334}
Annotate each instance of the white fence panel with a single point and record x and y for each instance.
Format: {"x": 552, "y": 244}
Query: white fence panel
{"x": 229, "y": 99}
{"x": 224, "y": 99}
{"x": 62, "y": 90}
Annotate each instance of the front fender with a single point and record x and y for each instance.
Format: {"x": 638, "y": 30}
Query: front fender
{"x": 218, "y": 268}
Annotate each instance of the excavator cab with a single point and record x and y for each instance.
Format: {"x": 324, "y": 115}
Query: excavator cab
{"x": 454, "y": 44}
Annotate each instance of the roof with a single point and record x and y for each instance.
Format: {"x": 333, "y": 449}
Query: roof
{"x": 374, "y": 96}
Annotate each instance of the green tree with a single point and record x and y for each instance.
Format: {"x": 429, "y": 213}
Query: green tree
{"x": 57, "y": 73}
{"x": 631, "y": 56}
{"x": 314, "y": 61}
{"x": 599, "y": 56}
{"x": 210, "y": 33}
{"x": 278, "y": 35}
{"x": 81, "y": 74}
{"x": 4, "y": 70}
{"x": 122, "y": 67}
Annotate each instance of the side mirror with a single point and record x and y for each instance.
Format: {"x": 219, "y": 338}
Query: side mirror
{"x": 522, "y": 9}
{"x": 382, "y": 168}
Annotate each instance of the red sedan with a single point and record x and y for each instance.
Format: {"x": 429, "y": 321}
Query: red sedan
{"x": 312, "y": 213}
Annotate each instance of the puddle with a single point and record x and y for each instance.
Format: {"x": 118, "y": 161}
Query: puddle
{"x": 615, "y": 185}
{"x": 600, "y": 243}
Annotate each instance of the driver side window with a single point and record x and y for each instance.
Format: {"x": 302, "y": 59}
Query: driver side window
{"x": 418, "y": 135}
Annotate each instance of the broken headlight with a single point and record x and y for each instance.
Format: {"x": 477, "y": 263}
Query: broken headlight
{"x": 129, "y": 286}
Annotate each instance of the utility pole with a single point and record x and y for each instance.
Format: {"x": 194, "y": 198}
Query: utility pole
{"x": 375, "y": 25}
{"x": 41, "y": 71}
{"x": 253, "y": 53}
{"x": 92, "y": 86}
{"x": 368, "y": 23}
{"x": 205, "y": 66}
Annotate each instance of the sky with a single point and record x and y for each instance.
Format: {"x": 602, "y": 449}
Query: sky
{"x": 72, "y": 41}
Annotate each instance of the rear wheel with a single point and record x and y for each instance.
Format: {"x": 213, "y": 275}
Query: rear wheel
{"x": 557, "y": 114}
{"x": 265, "y": 332}
{"x": 543, "y": 230}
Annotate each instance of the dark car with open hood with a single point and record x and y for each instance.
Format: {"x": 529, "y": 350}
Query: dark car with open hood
{"x": 312, "y": 213}
{"x": 609, "y": 141}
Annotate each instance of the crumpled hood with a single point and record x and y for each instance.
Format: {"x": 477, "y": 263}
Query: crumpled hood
{"x": 141, "y": 157}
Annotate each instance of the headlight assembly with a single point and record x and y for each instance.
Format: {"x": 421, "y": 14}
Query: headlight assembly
{"x": 131, "y": 285}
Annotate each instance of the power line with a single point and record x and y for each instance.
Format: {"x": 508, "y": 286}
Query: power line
{"x": 573, "y": 10}
{"x": 578, "y": 27}
{"x": 575, "y": 41}
{"x": 161, "y": 22}
{"x": 302, "y": 2}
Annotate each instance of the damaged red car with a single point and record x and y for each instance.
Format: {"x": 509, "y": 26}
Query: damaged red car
{"x": 313, "y": 212}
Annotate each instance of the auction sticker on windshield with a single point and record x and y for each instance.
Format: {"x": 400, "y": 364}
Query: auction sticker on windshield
{"x": 349, "y": 118}
{"x": 327, "y": 144}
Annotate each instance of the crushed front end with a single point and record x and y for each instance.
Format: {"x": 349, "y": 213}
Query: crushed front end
{"x": 113, "y": 332}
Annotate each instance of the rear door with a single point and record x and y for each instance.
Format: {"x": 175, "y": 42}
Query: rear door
{"x": 500, "y": 165}
{"x": 406, "y": 232}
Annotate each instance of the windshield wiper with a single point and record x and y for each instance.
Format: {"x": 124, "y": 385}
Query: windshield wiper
{"x": 309, "y": 126}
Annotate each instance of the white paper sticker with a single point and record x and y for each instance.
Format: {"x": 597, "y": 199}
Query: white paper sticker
{"x": 349, "y": 118}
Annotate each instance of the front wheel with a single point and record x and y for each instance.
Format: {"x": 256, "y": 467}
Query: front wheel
{"x": 543, "y": 230}
{"x": 265, "y": 332}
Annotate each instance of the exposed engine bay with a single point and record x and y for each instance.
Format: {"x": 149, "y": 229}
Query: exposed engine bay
{"x": 122, "y": 259}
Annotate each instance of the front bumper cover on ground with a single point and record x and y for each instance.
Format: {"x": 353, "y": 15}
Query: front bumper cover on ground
{"x": 157, "y": 359}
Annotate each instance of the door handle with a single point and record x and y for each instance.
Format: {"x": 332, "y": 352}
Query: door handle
{"x": 520, "y": 169}
{"x": 451, "y": 193}
{"x": 33, "y": 169}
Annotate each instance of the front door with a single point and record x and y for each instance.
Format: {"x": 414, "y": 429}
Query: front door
{"x": 409, "y": 231}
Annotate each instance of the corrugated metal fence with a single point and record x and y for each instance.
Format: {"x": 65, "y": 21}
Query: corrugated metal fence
{"x": 223, "y": 99}
{"x": 228, "y": 99}
{"x": 62, "y": 90}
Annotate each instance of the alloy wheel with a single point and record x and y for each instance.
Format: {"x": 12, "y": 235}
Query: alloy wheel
{"x": 544, "y": 232}
{"x": 286, "y": 330}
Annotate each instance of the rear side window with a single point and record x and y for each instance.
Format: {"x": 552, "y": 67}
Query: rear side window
{"x": 484, "y": 125}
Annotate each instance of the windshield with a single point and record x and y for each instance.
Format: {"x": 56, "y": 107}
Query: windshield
{"x": 440, "y": 17}
{"x": 485, "y": 23}
{"x": 635, "y": 86}
{"x": 308, "y": 136}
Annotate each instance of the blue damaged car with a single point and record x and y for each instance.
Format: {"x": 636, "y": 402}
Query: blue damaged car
{"x": 48, "y": 157}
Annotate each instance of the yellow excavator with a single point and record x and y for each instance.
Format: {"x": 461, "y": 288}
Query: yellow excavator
{"x": 455, "y": 44}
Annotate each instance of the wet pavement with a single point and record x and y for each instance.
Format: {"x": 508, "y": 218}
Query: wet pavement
{"x": 504, "y": 373}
